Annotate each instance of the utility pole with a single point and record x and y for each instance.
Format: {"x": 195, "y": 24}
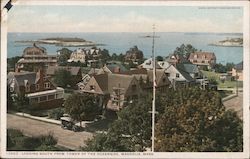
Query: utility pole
{"x": 154, "y": 85}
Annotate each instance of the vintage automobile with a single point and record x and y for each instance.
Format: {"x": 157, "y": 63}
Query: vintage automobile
{"x": 70, "y": 124}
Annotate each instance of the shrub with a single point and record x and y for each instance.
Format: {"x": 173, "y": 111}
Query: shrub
{"x": 56, "y": 113}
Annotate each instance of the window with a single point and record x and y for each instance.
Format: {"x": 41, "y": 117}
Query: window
{"x": 34, "y": 100}
{"x": 46, "y": 85}
{"x": 133, "y": 87}
{"x": 177, "y": 75}
{"x": 51, "y": 97}
{"x": 43, "y": 98}
{"x": 27, "y": 88}
{"x": 37, "y": 87}
{"x": 92, "y": 87}
{"x": 168, "y": 74}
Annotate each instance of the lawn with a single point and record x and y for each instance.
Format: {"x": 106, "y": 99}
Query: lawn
{"x": 16, "y": 141}
{"x": 226, "y": 84}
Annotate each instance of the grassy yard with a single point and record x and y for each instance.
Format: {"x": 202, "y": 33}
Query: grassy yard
{"x": 16, "y": 141}
{"x": 226, "y": 84}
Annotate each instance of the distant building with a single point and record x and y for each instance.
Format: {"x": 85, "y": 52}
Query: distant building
{"x": 35, "y": 58}
{"x": 174, "y": 59}
{"x": 41, "y": 92}
{"x": 115, "y": 91}
{"x": 83, "y": 55}
{"x": 203, "y": 59}
{"x": 134, "y": 54}
{"x": 112, "y": 68}
{"x": 237, "y": 71}
{"x": 148, "y": 64}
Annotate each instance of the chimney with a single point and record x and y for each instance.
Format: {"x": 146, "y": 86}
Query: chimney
{"x": 40, "y": 76}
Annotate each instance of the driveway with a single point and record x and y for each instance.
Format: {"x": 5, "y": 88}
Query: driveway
{"x": 31, "y": 127}
{"x": 236, "y": 104}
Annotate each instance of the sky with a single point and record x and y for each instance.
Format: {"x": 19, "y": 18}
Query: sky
{"x": 44, "y": 18}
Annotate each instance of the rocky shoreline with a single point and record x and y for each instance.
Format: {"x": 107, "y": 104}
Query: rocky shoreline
{"x": 233, "y": 42}
{"x": 63, "y": 42}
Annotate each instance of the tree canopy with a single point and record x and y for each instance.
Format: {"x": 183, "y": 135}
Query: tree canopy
{"x": 82, "y": 107}
{"x": 64, "y": 56}
{"x": 195, "y": 120}
{"x": 130, "y": 132}
{"x": 188, "y": 120}
{"x": 185, "y": 50}
{"x": 62, "y": 78}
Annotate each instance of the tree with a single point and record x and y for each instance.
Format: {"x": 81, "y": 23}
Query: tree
{"x": 185, "y": 50}
{"x": 82, "y": 107}
{"x": 62, "y": 78}
{"x": 20, "y": 102}
{"x": 64, "y": 56}
{"x": 194, "y": 120}
{"x": 220, "y": 68}
{"x": 130, "y": 132}
{"x": 159, "y": 58}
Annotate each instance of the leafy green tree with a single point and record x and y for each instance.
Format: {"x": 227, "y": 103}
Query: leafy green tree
{"x": 185, "y": 50}
{"x": 82, "y": 107}
{"x": 130, "y": 132}
{"x": 220, "y": 68}
{"x": 11, "y": 62}
{"x": 64, "y": 56}
{"x": 229, "y": 66}
{"x": 159, "y": 58}
{"x": 62, "y": 78}
{"x": 194, "y": 120}
{"x": 21, "y": 102}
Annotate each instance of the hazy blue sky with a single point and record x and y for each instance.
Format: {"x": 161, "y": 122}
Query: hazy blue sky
{"x": 123, "y": 19}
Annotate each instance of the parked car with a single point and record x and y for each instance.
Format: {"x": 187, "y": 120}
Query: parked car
{"x": 70, "y": 124}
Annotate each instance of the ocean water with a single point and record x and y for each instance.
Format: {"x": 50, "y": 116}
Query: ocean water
{"x": 118, "y": 43}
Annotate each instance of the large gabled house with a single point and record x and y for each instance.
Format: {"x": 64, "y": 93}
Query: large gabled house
{"x": 191, "y": 69}
{"x": 177, "y": 75}
{"x": 114, "y": 91}
{"x": 145, "y": 78}
{"x": 203, "y": 59}
{"x": 39, "y": 89}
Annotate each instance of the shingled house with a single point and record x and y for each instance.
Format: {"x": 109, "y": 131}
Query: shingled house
{"x": 40, "y": 91}
{"x": 203, "y": 59}
{"x": 134, "y": 55}
{"x": 35, "y": 58}
{"x": 114, "y": 91}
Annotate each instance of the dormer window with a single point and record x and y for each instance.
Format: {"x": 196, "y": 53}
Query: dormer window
{"x": 37, "y": 87}
{"x": 92, "y": 87}
{"x": 46, "y": 85}
{"x": 27, "y": 88}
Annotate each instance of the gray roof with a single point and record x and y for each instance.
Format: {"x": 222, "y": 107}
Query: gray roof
{"x": 109, "y": 81}
{"x": 113, "y": 66}
{"x": 21, "y": 77}
{"x": 73, "y": 70}
{"x": 189, "y": 68}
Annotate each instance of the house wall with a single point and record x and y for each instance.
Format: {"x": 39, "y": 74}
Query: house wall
{"x": 239, "y": 74}
{"x": 172, "y": 71}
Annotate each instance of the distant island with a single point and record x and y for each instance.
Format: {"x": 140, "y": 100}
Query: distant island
{"x": 64, "y": 42}
{"x": 233, "y": 42}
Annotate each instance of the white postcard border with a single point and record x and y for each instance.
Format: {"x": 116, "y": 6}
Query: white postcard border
{"x": 36, "y": 154}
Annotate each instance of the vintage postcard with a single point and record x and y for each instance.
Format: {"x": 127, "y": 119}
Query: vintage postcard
{"x": 124, "y": 79}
